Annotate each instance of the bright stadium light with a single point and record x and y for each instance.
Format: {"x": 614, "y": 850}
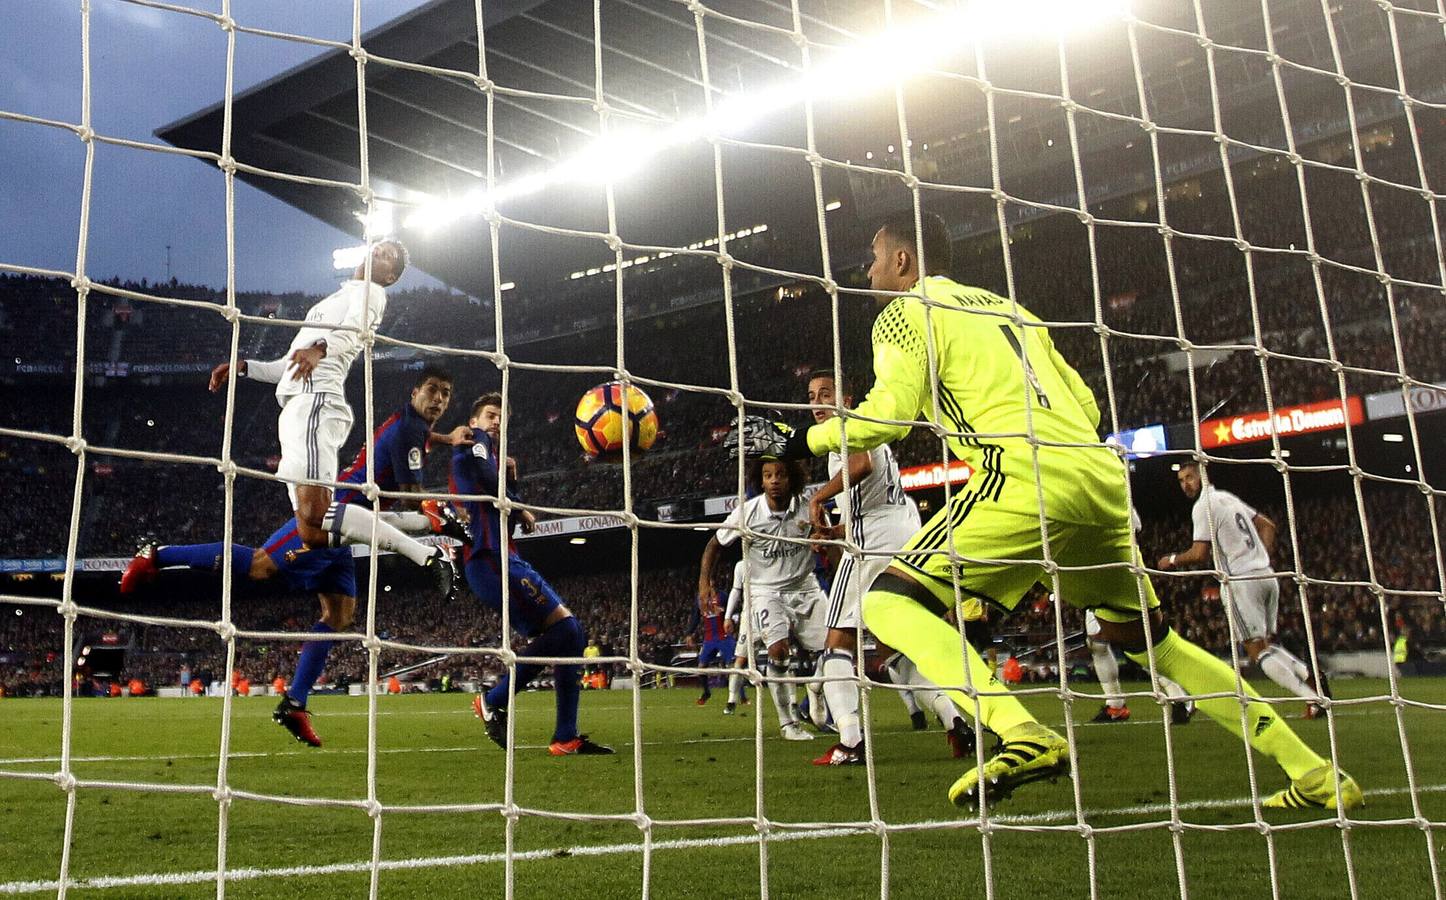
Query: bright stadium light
{"x": 868, "y": 66}
{"x": 379, "y": 222}
{"x": 348, "y": 257}
{"x": 436, "y": 214}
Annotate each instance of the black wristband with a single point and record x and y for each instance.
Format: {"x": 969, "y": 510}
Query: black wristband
{"x": 797, "y": 445}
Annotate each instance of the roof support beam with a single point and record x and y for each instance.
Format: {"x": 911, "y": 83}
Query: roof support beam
{"x": 372, "y": 134}
{"x": 616, "y": 51}
{"x": 581, "y": 85}
{"x": 712, "y": 36}
{"x": 481, "y": 132}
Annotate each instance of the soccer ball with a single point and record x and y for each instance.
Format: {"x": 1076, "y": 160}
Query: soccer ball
{"x": 602, "y": 413}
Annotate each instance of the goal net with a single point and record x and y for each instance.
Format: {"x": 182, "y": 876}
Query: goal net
{"x": 1227, "y": 217}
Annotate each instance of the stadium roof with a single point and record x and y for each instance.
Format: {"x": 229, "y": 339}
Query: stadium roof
{"x": 427, "y": 120}
{"x": 428, "y": 131}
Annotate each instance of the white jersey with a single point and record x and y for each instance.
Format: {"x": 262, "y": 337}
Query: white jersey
{"x": 774, "y": 566}
{"x": 358, "y": 304}
{"x": 883, "y": 516}
{"x": 1237, "y": 545}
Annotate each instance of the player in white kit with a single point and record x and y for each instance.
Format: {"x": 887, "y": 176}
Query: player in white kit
{"x": 315, "y": 419}
{"x": 735, "y": 623}
{"x": 1242, "y": 540}
{"x": 783, "y": 594}
{"x": 881, "y": 520}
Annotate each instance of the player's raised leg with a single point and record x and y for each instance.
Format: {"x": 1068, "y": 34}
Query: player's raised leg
{"x": 145, "y": 566}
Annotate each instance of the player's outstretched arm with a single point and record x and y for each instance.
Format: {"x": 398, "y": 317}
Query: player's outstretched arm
{"x": 223, "y": 372}
{"x": 461, "y": 436}
{"x": 1198, "y": 554}
{"x": 271, "y": 371}
{"x": 707, "y": 566}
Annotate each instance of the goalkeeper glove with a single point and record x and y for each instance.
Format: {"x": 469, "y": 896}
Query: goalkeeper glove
{"x": 758, "y": 437}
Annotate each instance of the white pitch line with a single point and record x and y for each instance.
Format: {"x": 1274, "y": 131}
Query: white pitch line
{"x": 427, "y": 862}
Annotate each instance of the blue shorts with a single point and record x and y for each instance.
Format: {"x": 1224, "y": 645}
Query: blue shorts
{"x": 328, "y": 571}
{"x": 717, "y": 650}
{"x": 531, "y": 598}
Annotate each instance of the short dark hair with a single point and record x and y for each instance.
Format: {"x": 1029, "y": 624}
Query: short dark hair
{"x": 938, "y": 252}
{"x": 848, "y": 382}
{"x": 432, "y": 370}
{"x": 491, "y": 398}
{"x": 797, "y": 477}
{"x": 402, "y": 253}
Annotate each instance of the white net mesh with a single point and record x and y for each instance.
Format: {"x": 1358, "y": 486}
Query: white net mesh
{"x": 1106, "y": 164}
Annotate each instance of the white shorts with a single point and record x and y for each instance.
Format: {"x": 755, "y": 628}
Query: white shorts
{"x": 776, "y": 615}
{"x": 312, "y": 428}
{"x": 1254, "y": 604}
{"x": 853, "y": 578}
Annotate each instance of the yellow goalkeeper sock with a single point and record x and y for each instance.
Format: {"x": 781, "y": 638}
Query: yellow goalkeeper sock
{"x": 934, "y": 646}
{"x": 1200, "y": 672}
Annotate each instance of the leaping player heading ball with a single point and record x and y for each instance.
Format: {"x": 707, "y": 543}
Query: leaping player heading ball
{"x": 315, "y": 419}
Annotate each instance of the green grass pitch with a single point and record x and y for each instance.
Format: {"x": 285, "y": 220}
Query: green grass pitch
{"x": 695, "y": 764}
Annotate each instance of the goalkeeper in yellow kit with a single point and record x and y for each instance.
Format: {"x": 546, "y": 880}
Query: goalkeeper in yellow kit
{"x": 1001, "y": 381}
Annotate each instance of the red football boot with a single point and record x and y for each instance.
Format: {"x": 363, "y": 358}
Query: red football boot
{"x": 141, "y": 570}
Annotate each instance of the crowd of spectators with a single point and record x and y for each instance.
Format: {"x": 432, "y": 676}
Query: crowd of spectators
{"x": 147, "y": 361}
{"x": 1349, "y": 597}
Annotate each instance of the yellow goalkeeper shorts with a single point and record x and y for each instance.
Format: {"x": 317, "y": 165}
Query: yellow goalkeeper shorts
{"x": 993, "y": 528}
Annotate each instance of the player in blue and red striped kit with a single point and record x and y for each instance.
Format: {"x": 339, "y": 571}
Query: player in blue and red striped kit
{"x": 718, "y": 644}
{"x": 534, "y": 609}
{"x": 400, "y": 444}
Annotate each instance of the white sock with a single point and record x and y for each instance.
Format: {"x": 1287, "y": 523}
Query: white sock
{"x": 842, "y": 696}
{"x": 735, "y": 685}
{"x": 1107, "y": 670}
{"x": 943, "y": 707}
{"x": 925, "y": 693}
{"x": 351, "y": 524}
{"x": 892, "y": 667}
{"x": 781, "y": 692}
{"x": 410, "y": 522}
{"x": 1302, "y": 671}
{"x": 1280, "y": 667}
{"x": 1172, "y": 689}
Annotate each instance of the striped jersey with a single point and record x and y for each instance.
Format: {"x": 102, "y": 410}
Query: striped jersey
{"x": 401, "y": 454}
{"x": 883, "y": 515}
{"x": 474, "y": 471}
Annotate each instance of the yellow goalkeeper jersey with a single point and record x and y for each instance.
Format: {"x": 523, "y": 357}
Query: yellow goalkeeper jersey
{"x": 998, "y": 383}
